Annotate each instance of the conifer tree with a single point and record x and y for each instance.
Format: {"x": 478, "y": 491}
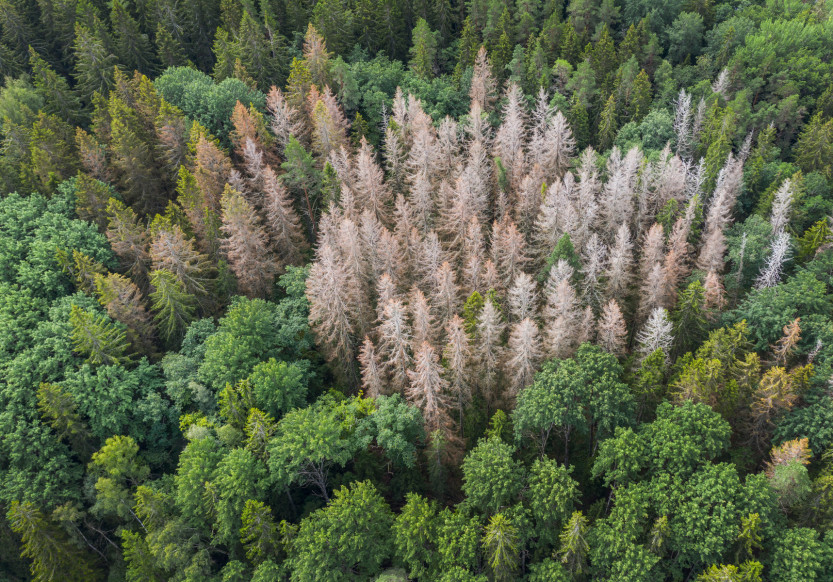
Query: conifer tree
{"x": 60, "y": 411}
{"x": 259, "y": 535}
{"x": 814, "y": 149}
{"x": 511, "y": 135}
{"x": 58, "y": 98}
{"x": 608, "y": 124}
{"x": 93, "y": 63}
{"x": 523, "y": 298}
{"x": 331, "y": 308}
{"x": 245, "y": 246}
{"x": 469, "y": 47}
{"x": 174, "y": 307}
{"x": 96, "y": 337}
{"x": 122, "y": 300}
{"x": 489, "y": 349}
{"x": 619, "y": 270}
{"x": 128, "y": 239}
{"x": 394, "y": 344}
{"x": 524, "y": 355}
{"x": 561, "y": 320}
{"x": 54, "y": 556}
{"x": 445, "y": 293}
{"x": 427, "y": 390}
{"x": 282, "y": 222}
{"x": 641, "y": 99}
{"x": 423, "y": 50}
{"x": 457, "y": 357}
{"x": 373, "y": 382}
{"x": 131, "y": 45}
{"x": 483, "y": 90}
{"x": 656, "y": 334}
{"x": 773, "y": 270}
{"x": 501, "y": 542}
{"x": 423, "y": 324}
{"x": 172, "y": 251}
{"x": 285, "y": 120}
{"x": 612, "y": 333}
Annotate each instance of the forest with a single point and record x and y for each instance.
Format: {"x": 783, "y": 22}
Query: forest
{"x": 416, "y": 290}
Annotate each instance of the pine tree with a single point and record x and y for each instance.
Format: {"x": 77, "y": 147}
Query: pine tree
{"x": 282, "y": 222}
{"x": 58, "y": 98}
{"x": 122, "y": 300}
{"x": 423, "y": 52}
{"x": 814, "y": 149}
{"x": 525, "y": 353}
{"x": 394, "y": 343}
{"x": 96, "y": 337}
{"x": 245, "y": 246}
{"x": 427, "y": 390}
{"x": 608, "y": 124}
{"x": 483, "y": 90}
{"x": 54, "y": 556}
{"x": 131, "y": 45}
{"x": 457, "y": 357}
{"x": 172, "y": 251}
{"x": 489, "y": 349}
{"x": 373, "y": 382}
{"x": 611, "y": 332}
{"x": 93, "y": 63}
{"x": 128, "y": 239}
{"x": 174, "y": 306}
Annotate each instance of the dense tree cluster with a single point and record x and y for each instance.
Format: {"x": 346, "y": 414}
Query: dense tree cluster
{"x": 475, "y": 290}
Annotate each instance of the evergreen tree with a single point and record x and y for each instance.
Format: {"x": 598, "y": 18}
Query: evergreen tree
{"x": 97, "y": 338}
{"x": 174, "y": 307}
{"x": 608, "y": 125}
{"x": 93, "y": 63}
{"x": 814, "y": 149}
{"x": 640, "y": 101}
{"x": 58, "y": 98}
{"x": 132, "y": 46}
{"x": 423, "y": 51}
{"x": 54, "y": 556}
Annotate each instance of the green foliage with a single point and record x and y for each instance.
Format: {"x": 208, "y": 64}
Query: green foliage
{"x": 582, "y": 395}
{"x": 97, "y": 338}
{"x": 350, "y": 537}
{"x": 491, "y": 478}
{"x": 205, "y": 101}
{"x": 54, "y": 556}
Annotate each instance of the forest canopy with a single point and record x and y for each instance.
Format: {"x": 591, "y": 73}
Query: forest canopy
{"x": 444, "y": 290}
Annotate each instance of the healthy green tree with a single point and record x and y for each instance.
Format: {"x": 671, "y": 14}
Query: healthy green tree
{"x": 54, "y": 556}
{"x": 348, "y": 538}
{"x": 492, "y": 479}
